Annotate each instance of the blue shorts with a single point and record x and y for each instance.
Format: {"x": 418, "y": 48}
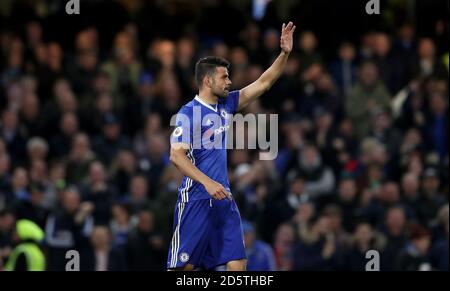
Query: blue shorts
{"x": 207, "y": 233}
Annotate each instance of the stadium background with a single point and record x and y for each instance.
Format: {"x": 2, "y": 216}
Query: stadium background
{"x": 86, "y": 100}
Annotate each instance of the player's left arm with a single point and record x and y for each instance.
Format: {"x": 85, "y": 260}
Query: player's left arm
{"x": 248, "y": 94}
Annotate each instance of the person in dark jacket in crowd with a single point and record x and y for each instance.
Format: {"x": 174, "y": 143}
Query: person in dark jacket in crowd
{"x": 145, "y": 247}
{"x": 101, "y": 256}
{"x": 415, "y": 257}
{"x": 68, "y": 228}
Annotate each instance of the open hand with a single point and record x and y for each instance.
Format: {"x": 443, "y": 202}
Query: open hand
{"x": 286, "y": 39}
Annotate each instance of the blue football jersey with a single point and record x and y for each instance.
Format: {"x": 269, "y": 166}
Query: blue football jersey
{"x": 204, "y": 128}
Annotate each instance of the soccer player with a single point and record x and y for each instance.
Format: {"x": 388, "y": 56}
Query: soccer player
{"x": 207, "y": 224}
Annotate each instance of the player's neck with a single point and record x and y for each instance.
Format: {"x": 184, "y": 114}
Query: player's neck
{"x": 208, "y": 98}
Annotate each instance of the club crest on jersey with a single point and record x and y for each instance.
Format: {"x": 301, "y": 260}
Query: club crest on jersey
{"x": 224, "y": 113}
{"x": 178, "y": 131}
{"x": 184, "y": 257}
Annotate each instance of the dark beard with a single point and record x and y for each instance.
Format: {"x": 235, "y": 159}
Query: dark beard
{"x": 221, "y": 95}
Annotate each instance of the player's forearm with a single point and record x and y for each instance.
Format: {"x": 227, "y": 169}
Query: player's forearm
{"x": 264, "y": 82}
{"x": 188, "y": 169}
{"x": 269, "y": 77}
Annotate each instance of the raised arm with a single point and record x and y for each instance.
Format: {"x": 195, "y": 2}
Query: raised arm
{"x": 268, "y": 78}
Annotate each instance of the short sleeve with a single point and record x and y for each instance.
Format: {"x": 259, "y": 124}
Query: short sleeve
{"x": 232, "y": 101}
{"x": 183, "y": 127}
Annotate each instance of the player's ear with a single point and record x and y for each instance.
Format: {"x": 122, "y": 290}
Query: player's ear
{"x": 207, "y": 81}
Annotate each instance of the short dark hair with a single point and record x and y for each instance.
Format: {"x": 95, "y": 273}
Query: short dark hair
{"x": 207, "y": 66}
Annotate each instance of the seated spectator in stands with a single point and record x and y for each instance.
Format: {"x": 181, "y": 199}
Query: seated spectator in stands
{"x": 383, "y": 131}
{"x": 260, "y": 256}
{"x": 102, "y": 107}
{"x": 427, "y": 64}
{"x": 79, "y": 159}
{"x": 366, "y": 95}
{"x": 111, "y": 140}
{"x": 19, "y": 185}
{"x": 152, "y": 127}
{"x": 14, "y": 140}
{"x": 155, "y": 159}
{"x": 145, "y": 248}
{"x": 31, "y": 114}
{"x": 436, "y": 125}
{"x": 334, "y": 215}
{"x": 64, "y": 101}
{"x": 5, "y": 178}
{"x": 61, "y": 143}
{"x": 347, "y": 200}
{"x": 101, "y": 256}
{"x": 83, "y": 70}
{"x": 364, "y": 238}
{"x": 68, "y": 228}
{"x": 343, "y": 70}
{"x": 323, "y": 136}
{"x": 388, "y": 65}
{"x": 319, "y": 178}
{"x": 33, "y": 208}
{"x": 404, "y": 49}
{"x": 123, "y": 67}
{"x": 439, "y": 248}
{"x": 289, "y": 203}
{"x": 120, "y": 225}
{"x": 390, "y": 196}
{"x": 100, "y": 193}
{"x": 38, "y": 173}
{"x": 395, "y": 231}
{"x": 284, "y": 246}
{"x": 317, "y": 249}
{"x": 415, "y": 257}
{"x": 7, "y": 224}
{"x": 308, "y": 51}
{"x": 122, "y": 170}
{"x": 138, "y": 195}
{"x": 410, "y": 192}
{"x": 431, "y": 199}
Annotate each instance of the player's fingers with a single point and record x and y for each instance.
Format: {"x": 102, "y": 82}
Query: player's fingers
{"x": 283, "y": 27}
{"x": 293, "y": 29}
{"x": 226, "y": 194}
{"x": 219, "y": 195}
{"x": 289, "y": 26}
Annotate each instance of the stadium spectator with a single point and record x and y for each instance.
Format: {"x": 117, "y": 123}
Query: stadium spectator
{"x": 368, "y": 94}
{"x": 145, "y": 248}
{"x": 101, "y": 256}
{"x": 68, "y": 228}
{"x": 99, "y": 192}
{"x": 416, "y": 255}
{"x": 259, "y": 254}
{"x": 364, "y": 238}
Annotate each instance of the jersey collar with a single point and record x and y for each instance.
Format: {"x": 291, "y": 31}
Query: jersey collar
{"x": 205, "y": 104}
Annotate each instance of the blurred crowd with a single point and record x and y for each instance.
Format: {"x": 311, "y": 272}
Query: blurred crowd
{"x": 362, "y": 164}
